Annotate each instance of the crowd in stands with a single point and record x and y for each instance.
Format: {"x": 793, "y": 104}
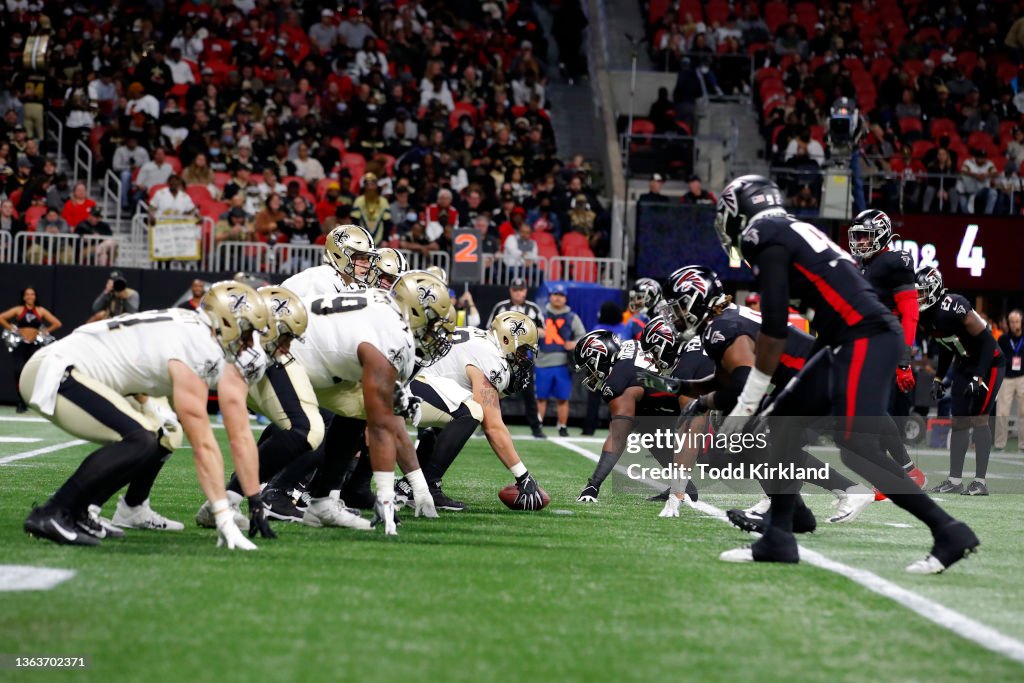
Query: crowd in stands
{"x": 278, "y": 120}
{"x": 939, "y": 87}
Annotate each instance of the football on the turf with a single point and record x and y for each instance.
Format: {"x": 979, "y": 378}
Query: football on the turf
{"x": 509, "y": 493}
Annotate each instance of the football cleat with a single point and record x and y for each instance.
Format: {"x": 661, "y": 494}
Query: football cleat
{"x": 976, "y": 488}
{"x": 774, "y": 546}
{"x": 93, "y": 523}
{"x": 947, "y": 487}
{"x": 57, "y": 526}
{"x": 331, "y": 512}
{"x": 443, "y": 502}
{"x": 403, "y": 493}
{"x": 660, "y": 497}
{"x": 143, "y": 517}
{"x": 850, "y": 505}
{"x": 588, "y": 494}
{"x": 205, "y": 518}
{"x": 538, "y": 433}
{"x": 953, "y": 542}
{"x": 751, "y": 522}
{"x": 281, "y": 506}
{"x": 563, "y": 432}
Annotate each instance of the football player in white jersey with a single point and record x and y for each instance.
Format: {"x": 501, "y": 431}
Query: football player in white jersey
{"x": 347, "y": 254}
{"x": 386, "y": 264}
{"x": 463, "y": 390}
{"x": 283, "y": 394}
{"x": 359, "y": 351}
{"x": 80, "y": 382}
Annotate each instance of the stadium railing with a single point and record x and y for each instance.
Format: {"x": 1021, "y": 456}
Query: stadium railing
{"x": 55, "y": 131}
{"x": 82, "y": 164}
{"x": 5, "y": 248}
{"x": 46, "y": 248}
{"x": 112, "y": 188}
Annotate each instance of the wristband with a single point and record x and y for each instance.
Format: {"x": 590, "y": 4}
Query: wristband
{"x": 221, "y": 512}
{"x": 518, "y": 470}
{"x": 418, "y": 483}
{"x": 755, "y": 388}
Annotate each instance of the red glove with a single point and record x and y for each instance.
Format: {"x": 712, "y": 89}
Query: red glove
{"x": 905, "y": 379}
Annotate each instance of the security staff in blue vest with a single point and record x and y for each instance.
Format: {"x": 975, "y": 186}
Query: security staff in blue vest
{"x": 562, "y": 328}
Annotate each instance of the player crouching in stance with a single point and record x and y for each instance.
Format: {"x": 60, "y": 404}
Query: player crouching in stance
{"x": 463, "y": 390}
{"x": 80, "y": 383}
{"x": 793, "y": 259}
{"x": 612, "y": 369}
{"x": 966, "y": 343}
{"x": 360, "y": 349}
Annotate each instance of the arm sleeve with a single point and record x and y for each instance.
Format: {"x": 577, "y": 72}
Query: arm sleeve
{"x": 945, "y": 360}
{"x": 906, "y": 304}
{"x": 726, "y": 397}
{"x": 132, "y": 304}
{"x": 100, "y": 303}
{"x": 773, "y": 280}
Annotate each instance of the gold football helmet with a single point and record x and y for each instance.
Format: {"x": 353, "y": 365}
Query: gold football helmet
{"x": 288, "y": 317}
{"x": 345, "y": 245}
{"x": 385, "y": 266}
{"x": 427, "y": 307}
{"x": 439, "y": 272}
{"x": 517, "y": 339}
{"x": 235, "y": 311}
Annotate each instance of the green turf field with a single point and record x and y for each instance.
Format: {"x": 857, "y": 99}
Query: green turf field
{"x": 603, "y": 593}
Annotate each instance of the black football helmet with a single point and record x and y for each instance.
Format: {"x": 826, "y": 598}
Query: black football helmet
{"x": 741, "y": 200}
{"x": 870, "y": 233}
{"x": 661, "y": 343}
{"x": 693, "y": 294}
{"x": 929, "y": 286}
{"x": 645, "y": 295}
{"x": 595, "y": 355}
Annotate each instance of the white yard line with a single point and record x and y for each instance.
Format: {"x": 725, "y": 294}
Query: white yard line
{"x": 41, "y": 451}
{"x": 960, "y": 624}
{"x": 19, "y": 439}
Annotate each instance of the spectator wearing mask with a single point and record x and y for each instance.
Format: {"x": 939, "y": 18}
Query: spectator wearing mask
{"x": 697, "y": 194}
{"x": 562, "y": 328}
{"x": 1011, "y": 345}
{"x": 977, "y": 174}
{"x": 116, "y": 298}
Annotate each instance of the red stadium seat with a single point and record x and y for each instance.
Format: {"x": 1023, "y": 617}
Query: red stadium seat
{"x": 175, "y": 163}
{"x": 920, "y": 148}
{"x": 694, "y": 8}
{"x": 1006, "y": 133}
{"x": 943, "y": 126}
{"x": 910, "y": 124}
{"x": 717, "y": 10}
{"x": 776, "y": 13}
{"x": 656, "y": 10}
{"x": 33, "y": 214}
{"x": 355, "y": 163}
{"x": 200, "y": 194}
{"x": 981, "y": 140}
{"x": 156, "y": 188}
{"x": 220, "y": 179}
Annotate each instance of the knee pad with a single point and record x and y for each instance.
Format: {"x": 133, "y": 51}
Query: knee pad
{"x": 315, "y": 436}
{"x": 474, "y": 409}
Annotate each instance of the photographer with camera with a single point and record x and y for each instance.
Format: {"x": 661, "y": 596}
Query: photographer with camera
{"x": 116, "y": 298}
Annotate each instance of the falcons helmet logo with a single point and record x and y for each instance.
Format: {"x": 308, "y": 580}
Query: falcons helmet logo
{"x": 660, "y": 330}
{"x": 594, "y": 347}
{"x": 694, "y": 280}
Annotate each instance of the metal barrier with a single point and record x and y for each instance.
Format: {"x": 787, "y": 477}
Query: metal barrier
{"x": 42, "y": 248}
{"x": 83, "y": 160}
{"x": 419, "y": 261}
{"x": 112, "y": 188}
{"x": 609, "y": 272}
{"x": 288, "y": 259}
{"x": 56, "y": 132}
{"x": 99, "y": 250}
{"x": 498, "y": 273}
{"x": 251, "y": 257}
{"x": 6, "y": 255}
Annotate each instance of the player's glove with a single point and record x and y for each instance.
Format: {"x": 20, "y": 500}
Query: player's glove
{"x": 747, "y": 404}
{"x": 588, "y": 494}
{"x": 529, "y": 493}
{"x": 977, "y": 392}
{"x": 408, "y": 406}
{"x": 384, "y": 513}
{"x": 162, "y": 414}
{"x": 424, "y": 504}
{"x": 694, "y": 408}
{"x": 231, "y": 537}
{"x": 905, "y": 379}
{"x": 938, "y": 389}
{"x": 258, "y": 521}
{"x": 671, "y": 508}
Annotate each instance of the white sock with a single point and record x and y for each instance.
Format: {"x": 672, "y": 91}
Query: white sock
{"x": 980, "y": 481}
{"x": 518, "y": 470}
{"x": 418, "y": 483}
{"x": 561, "y": 426}
{"x": 909, "y": 466}
{"x": 955, "y": 480}
{"x": 385, "y": 483}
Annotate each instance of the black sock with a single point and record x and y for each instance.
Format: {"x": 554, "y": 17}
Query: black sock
{"x": 357, "y": 483}
{"x": 449, "y": 444}
{"x": 892, "y": 442}
{"x": 833, "y": 482}
{"x": 143, "y": 477}
{"x": 783, "y": 507}
{"x": 105, "y": 471}
{"x": 426, "y": 442}
{"x": 341, "y": 443}
{"x": 982, "y": 449}
{"x": 958, "y": 443}
{"x": 298, "y": 470}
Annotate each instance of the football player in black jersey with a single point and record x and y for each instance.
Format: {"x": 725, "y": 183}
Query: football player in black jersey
{"x": 699, "y": 307}
{"x": 966, "y": 343}
{"x": 891, "y": 273}
{"x": 793, "y": 259}
{"x": 612, "y": 370}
